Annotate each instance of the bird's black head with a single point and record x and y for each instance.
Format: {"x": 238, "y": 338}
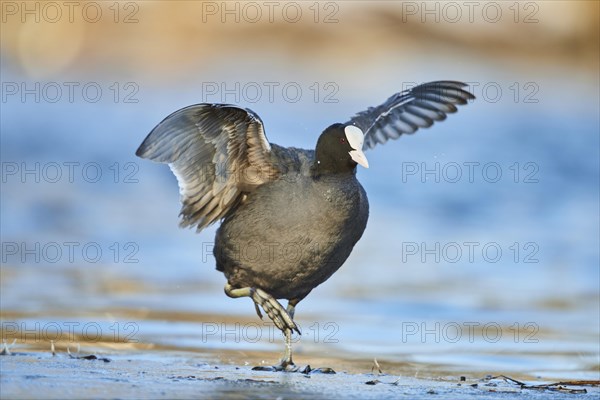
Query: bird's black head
{"x": 339, "y": 150}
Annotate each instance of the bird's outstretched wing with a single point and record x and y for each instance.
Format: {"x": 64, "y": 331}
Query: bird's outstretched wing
{"x": 217, "y": 152}
{"x": 409, "y": 110}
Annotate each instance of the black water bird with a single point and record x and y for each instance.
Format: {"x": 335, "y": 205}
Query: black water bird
{"x": 290, "y": 217}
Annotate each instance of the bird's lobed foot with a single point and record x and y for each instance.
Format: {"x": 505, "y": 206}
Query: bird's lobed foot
{"x": 323, "y": 370}
{"x": 274, "y": 310}
{"x": 277, "y": 368}
{"x": 283, "y": 367}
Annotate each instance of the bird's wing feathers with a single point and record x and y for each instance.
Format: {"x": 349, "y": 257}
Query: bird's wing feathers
{"x": 217, "y": 152}
{"x": 409, "y": 110}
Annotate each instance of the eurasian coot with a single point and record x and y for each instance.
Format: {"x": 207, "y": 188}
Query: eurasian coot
{"x": 290, "y": 217}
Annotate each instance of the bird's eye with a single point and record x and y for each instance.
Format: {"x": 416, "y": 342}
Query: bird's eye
{"x": 342, "y": 140}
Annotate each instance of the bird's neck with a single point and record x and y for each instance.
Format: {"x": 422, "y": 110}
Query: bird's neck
{"x": 322, "y": 168}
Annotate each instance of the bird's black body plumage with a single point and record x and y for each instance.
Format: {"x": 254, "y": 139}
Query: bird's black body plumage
{"x": 292, "y": 234}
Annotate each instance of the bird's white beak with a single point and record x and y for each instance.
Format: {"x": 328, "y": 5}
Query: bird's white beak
{"x": 356, "y": 138}
{"x": 359, "y": 157}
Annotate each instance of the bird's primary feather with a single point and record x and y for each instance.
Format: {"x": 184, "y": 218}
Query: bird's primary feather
{"x": 409, "y": 110}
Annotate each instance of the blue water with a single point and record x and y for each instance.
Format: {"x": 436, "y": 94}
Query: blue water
{"x": 430, "y": 252}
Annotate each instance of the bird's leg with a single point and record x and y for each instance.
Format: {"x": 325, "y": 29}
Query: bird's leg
{"x": 286, "y": 362}
{"x": 291, "y": 308}
{"x": 269, "y": 304}
{"x": 282, "y": 319}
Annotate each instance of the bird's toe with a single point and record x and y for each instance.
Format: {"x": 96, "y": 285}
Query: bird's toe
{"x": 274, "y": 310}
